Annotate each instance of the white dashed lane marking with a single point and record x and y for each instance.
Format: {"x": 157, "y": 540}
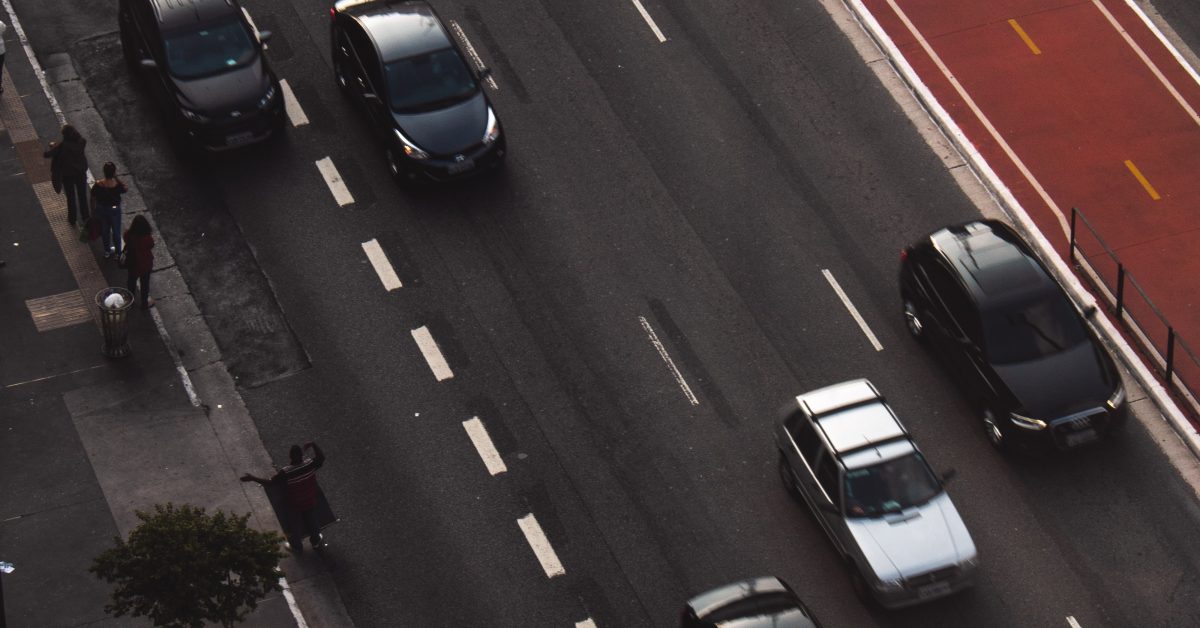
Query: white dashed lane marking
{"x": 1072, "y": 623}
{"x": 541, "y": 546}
{"x": 649, "y": 20}
{"x": 433, "y": 355}
{"x": 383, "y": 267}
{"x": 587, "y": 623}
{"x": 662, "y": 352}
{"x": 470, "y": 48}
{"x": 291, "y": 105}
{"x": 862, "y": 324}
{"x": 483, "y": 445}
{"x": 329, "y": 172}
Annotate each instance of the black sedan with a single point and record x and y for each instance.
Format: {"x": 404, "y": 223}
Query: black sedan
{"x": 756, "y": 603}
{"x": 420, "y": 93}
{"x": 990, "y": 310}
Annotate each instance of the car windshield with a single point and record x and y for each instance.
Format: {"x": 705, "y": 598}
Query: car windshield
{"x": 890, "y": 486}
{"x": 430, "y": 81}
{"x": 1031, "y": 330}
{"x": 211, "y": 49}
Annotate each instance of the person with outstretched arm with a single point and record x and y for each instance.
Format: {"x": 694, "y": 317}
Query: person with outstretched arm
{"x": 299, "y": 481}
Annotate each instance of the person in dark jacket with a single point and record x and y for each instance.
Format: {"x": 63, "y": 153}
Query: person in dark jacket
{"x": 106, "y": 201}
{"x": 69, "y": 170}
{"x": 299, "y": 481}
{"x": 139, "y": 258}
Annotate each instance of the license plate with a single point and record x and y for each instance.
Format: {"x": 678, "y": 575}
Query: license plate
{"x": 933, "y": 590}
{"x": 461, "y": 166}
{"x": 239, "y": 138}
{"x": 1079, "y": 438}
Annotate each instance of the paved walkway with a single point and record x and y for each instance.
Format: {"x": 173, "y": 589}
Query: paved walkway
{"x": 87, "y": 441}
{"x": 1076, "y": 104}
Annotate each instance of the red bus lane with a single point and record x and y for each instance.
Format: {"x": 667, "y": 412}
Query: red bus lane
{"x": 1076, "y": 104}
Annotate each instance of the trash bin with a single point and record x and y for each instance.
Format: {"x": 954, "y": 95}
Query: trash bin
{"x": 114, "y": 304}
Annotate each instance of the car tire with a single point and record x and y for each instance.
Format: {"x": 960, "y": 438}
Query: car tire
{"x": 785, "y": 474}
{"x": 912, "y": 320}
{"x": 994, "y": 430}
{"x": 129, "y": 51}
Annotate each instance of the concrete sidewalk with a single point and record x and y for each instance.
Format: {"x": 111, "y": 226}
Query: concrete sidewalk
{"x": 87, "y": 441}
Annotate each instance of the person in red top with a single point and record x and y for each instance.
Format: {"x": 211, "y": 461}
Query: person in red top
{"x": 139, "y": 257}
{"x": 299, "y": 480}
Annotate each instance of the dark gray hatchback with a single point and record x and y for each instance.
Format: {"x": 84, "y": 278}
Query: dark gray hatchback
{"x": 420, "y": 93}
{"x": 766, "y": 602}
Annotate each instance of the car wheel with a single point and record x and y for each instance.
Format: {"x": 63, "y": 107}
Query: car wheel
{"x": 912, "y": 320}
{"x": 994, "y": 430}
{"x": 785, "y": 474}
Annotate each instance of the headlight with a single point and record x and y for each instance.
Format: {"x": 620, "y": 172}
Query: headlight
{"x": 1025, "y": 422}
{"x": 493, "y": 128}
{"x": 267, "y": 97}
{"x": 889, "y": 586}
{"x": 192, "y": 115}
{"x": 1117, "y": 398}
{"x": 410, "y": 149}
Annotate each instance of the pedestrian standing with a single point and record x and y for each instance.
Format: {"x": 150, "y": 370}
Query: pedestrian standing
{"x": 139, "y": 258}
{"x": 3, "y": 29}
{"x": 299, "y": 481}
{"x": 106, "y": 201}
{"x": 69, "y": 170}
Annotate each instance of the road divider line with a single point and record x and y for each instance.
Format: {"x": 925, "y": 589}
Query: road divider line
{"x": 329, "y": 172}
{"x": 462, "y": 36}
{"x": 862, "y": 324}
{"x": 383, "y": 267}
{"x": 1024, "y": 37}
{"x": 1137, "y": 174}
{"x": 483, "y": 445}
{"x": 433, "y": 355}
{"x": 587, "y": 623}
{"x": 1072, "y": 623}
{"x": 291, "y": 105}
{"x": 649, "y": 20}
{"x": 662, "y": 352}
{"x": 541, "y": 546}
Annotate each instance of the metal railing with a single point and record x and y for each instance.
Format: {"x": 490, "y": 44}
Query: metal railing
{"x": 1151, "y": 330}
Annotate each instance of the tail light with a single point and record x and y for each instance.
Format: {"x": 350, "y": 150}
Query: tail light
{"x": 903, "y": 254}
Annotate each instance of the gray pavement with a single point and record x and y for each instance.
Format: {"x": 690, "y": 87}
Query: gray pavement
{"x": 88, "y": 441}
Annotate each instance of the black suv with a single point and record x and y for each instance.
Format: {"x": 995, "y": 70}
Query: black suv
{"x": 205, "y": 61}
{"x": 985, "y": 305}
{"x": 420, "y": 93}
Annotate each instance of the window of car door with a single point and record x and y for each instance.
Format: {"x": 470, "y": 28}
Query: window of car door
{"x": 827, "y": 477}
{"x": 961, "y": 322}
{"x": 366, "y": 58}
{"x": 805, "y": 435}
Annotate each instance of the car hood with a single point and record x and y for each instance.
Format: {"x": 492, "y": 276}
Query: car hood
{"x": 1070, "y": 381}
{"x": 447, "y": 131}
{"x": 915, "y": 541}
{"x": 218, "y": 94}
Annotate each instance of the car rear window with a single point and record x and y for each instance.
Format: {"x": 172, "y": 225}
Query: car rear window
{"x": 429, "y": 81}
{"x": 210, "y": 49}
{"x": 1031, "y": 329}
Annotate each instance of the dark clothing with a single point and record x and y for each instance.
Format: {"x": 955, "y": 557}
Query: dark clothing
{"x": 68, "y": 157}
{"x": 301, "y": 482}
{"x": 139, "y": 253}
{"x": 132, "y": 284}
{"x": 308, "y": 519}
{"x": 75, "y": 188}
{"x": 110, "y": 227}
{"x": 108, "y": 196}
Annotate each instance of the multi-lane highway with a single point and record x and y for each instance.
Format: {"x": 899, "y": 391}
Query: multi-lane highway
{"x": 700, "y": 217}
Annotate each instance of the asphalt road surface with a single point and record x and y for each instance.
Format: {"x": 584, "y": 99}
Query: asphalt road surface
{"x": 688, "y": 192}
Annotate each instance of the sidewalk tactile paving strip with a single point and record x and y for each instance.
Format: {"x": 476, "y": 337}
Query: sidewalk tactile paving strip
{"x": 59, "y": 310}
{"x": 37, "y": 168}
{"x": 12, "y": 111}
{"x": 78, "y": 255}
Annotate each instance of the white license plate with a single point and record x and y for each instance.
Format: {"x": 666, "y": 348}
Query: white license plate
{"x": 239, "y": 138}
{"x": 933, "y": 590}
{"x": 462, "y": 166}
{"x": 1079, "y": 438}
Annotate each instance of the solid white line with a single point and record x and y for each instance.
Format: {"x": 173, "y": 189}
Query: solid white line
{"x": 1163, "y": 39}
{"x": 1071, "y": 621}
{"x": 291, "y": 105}
{"x": 649, "y": 20}
{"x": 483, "y": 445}
{"x": 433, "y": 355}
{"x": 383, "y": 267}
{"x": 471, "y": 51}
{"x": 329, "y": 172}
{"x": 862, "y": 324}
{"x": 987, "y": 124}
{"x": 541, "y": 546}
{"x": 1146, "y": 60}
{"x": 662, "y": 351}
{"x": 291, "y": 602}
{"x": 587, "y": 623}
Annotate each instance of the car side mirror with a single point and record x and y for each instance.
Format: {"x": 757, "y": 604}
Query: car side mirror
{"x": 148, "y": 64}
{"x": 264, "y": 36}
{"x": 949, "y": 474}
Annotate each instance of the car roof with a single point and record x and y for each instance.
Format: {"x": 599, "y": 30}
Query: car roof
{"x": 992, "y": 260}
{"x": 875, "y": 454}
{"x": 173, "y": 13}
{"x": 852, "y": 415}
{"x": 725, "y": 595}
{"x": 399, "y": 29}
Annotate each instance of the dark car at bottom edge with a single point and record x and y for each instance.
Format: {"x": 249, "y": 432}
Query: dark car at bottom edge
{"x": 766, "y": 602}
{"x": 421, "y": 95}
{"x": 1019, "y": 348}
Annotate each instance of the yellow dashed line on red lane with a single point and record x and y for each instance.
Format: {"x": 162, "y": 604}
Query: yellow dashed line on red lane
{"x": 1141, "y": 179}
{"x": 1025, "y": 37}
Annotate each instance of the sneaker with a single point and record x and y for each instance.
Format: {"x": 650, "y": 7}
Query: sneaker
{"x": 108, "y": 254}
